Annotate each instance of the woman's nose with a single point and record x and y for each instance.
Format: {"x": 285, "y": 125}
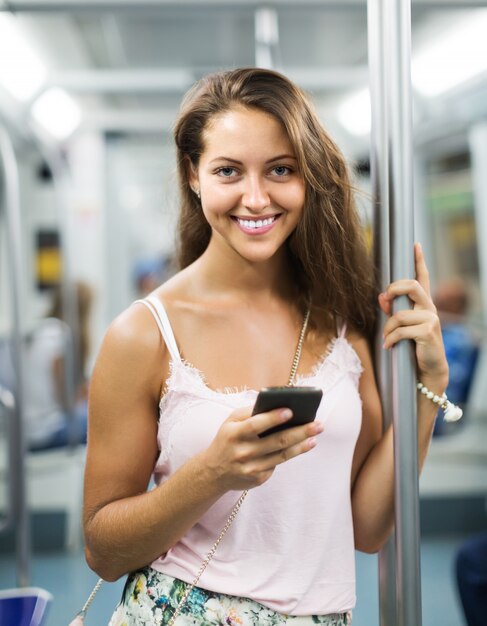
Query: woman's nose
{"x": 255, "y": 196}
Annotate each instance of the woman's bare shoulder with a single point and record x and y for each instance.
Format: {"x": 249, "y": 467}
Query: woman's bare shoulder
{"x": 133, "y": 331}
{"x": 133, "y": 354}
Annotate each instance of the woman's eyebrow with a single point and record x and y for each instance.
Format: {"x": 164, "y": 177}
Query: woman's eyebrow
{"x": 276, "y": 158}
{"x": 281, "y": 156}
{"x": 224, "y": 158}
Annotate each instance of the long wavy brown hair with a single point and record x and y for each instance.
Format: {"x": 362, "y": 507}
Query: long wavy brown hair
{"x": 327, "y": 249}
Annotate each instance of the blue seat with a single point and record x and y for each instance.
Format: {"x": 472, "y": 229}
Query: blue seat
{"x": 24, "y": 607}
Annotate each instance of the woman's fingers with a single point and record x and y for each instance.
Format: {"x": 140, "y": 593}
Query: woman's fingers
{"x": 418, "y": 290}
{"x": 425, "y": 333}
{"x": 270, "y": 461}
{"x": 281, "y": 445}
{"x": 408, "y": 317}
{"x": 245, "y": 459}
{"x": 263, "y": 455}
{"x": 286, "y": 439}
{"x": 406, "y": 287}
{"x": 254, "y": 425}
{"x": 422, "y": 273}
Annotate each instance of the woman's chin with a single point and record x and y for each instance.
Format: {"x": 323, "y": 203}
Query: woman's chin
{"x": 263, "y": 255}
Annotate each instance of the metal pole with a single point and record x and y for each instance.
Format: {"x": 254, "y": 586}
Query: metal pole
{"x": 380, "y": 180}
{"x": 94, "y": 6}
{"x": 478, "y": 151}
{"x": 68, "y": 293}
{"x": 398, "y": 51}
{"x": 17, "y": 444}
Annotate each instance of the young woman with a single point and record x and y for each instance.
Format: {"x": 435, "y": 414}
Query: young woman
{"x": 268, "y": 237}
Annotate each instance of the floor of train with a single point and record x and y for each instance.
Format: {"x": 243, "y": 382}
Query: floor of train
{"x": 68, "y": 578}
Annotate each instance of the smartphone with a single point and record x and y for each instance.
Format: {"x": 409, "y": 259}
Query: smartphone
{"x": 303, "y": 402}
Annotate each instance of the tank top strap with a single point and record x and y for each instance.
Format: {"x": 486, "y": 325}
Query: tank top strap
{"x": 157, "y": 309}
{"x": 341, "y": 328}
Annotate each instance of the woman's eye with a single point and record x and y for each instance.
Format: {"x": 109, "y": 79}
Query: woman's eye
{"x": 281, "y": 170}
{"x": 226, "y": 172}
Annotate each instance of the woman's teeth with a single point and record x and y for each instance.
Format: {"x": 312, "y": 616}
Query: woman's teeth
{"x": 256, "y": 223}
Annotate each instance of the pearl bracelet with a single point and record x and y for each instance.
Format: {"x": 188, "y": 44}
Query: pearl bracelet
{"x": 452, "y": 412}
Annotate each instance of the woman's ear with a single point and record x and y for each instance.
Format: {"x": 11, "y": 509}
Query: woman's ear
{"x": 192, "y": 174}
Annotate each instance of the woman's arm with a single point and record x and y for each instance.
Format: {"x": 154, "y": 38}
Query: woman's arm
{"x": 373, "y": 465}
{"x": 126, "y": 527}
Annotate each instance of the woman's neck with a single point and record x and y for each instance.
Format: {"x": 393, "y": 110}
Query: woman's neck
{"x": 229, "y": 275}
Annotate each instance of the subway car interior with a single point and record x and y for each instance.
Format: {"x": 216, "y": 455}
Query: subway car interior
{"x": 89, "y": 92}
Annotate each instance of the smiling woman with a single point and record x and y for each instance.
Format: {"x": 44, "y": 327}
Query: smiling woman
{"x": 241, "y": 191}
{"x": 274, "y": 278}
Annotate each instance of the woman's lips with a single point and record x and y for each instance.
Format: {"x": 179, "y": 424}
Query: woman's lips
{"x": 255, "y": 227}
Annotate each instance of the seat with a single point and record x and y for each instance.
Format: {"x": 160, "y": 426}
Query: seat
{"x": 24, "y": 607}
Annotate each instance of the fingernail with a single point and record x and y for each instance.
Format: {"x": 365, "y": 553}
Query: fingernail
{"x": 286, "y": 414}
{"x": 319, "y": 427}
{"x": 311, "y": 443}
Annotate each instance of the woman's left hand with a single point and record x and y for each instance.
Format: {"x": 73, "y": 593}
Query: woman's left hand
{"x": 421, "y": 323}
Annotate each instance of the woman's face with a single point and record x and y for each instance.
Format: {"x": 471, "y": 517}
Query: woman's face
{"x": 251, "y": 191}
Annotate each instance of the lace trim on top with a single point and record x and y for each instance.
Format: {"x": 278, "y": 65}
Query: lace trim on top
{"x": 186, "y": 385}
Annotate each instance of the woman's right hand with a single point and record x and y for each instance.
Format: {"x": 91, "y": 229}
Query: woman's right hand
{"x": 239, "y": 459}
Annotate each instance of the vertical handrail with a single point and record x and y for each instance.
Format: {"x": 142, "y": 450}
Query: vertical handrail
{"x": 408, "y": 573}
{"x": 68, "y": 295}
{"x": 390, "y": 59}
{"x": 7, "y": 405}
{"x": 380, "y": 179}
{"x": 477, "y": 138}
{"x": 17, "y": 443}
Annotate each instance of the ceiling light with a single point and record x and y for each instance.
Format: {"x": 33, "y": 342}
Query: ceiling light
{"x": 21, "y": 71}
{"x": 458, "y": 54}
{"x": 57, "y": 112}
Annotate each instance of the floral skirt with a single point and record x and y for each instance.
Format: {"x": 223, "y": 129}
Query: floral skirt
{"x": 150, "y": 598}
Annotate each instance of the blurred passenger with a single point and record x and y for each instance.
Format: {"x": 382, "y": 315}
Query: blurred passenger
{"x": 49, "y": 420}
{"x": 151, "y": 272}
{"x": 452, "y": 301}
{"x": 471, "y": 571}
{"x": 272, "y": 260}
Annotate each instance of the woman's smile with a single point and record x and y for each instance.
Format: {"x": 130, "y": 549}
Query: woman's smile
{"x": 256, "y": 225}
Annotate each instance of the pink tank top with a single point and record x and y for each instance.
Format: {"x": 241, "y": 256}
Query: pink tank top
{"x": 291, "y": 546}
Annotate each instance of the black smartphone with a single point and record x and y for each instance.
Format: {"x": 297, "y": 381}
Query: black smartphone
{"x": 303, "y": 402}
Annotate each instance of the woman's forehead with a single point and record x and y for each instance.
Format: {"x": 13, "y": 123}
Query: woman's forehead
{"x": 242, "y": 129}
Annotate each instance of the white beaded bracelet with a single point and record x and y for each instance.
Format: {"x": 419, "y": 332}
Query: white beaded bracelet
{"x": 452, "y": 412}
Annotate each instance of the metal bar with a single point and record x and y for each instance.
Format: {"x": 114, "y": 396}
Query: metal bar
{"x": 62, "y": 194}
{"x": 33, "y": 6}
{"x": 178, "y": 81}
{"x": 17, "y": 448}
{"x": 7, "y": 404}
{"x": 124, "y": 81}
{"x": 397, "y": 26}
{"x": 380, "y": 178}
{"x": 110, "y": 5}
{"x": 478, "y": 148}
